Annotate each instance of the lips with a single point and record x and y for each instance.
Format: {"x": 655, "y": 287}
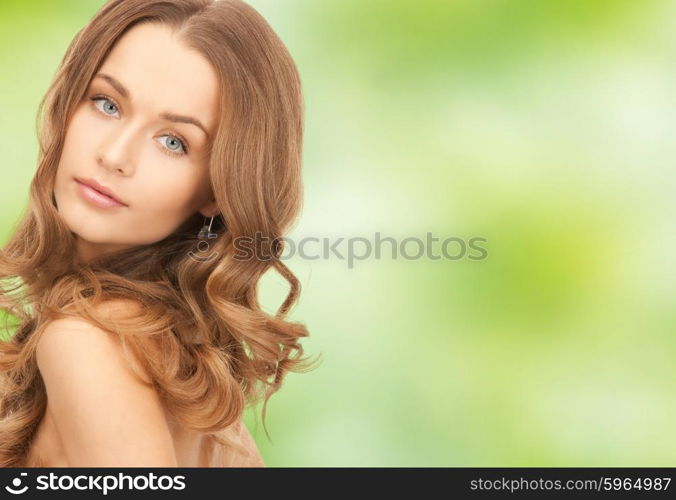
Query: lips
{"x": 101, "y": 190}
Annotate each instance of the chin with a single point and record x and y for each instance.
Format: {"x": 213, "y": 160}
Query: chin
{"x": 90, "y": 230}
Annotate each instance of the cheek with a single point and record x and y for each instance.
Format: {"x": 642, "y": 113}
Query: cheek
{"x": 164, "y": 204}
{"x": 77, "y": 143}
{"x": 170, "y": 196}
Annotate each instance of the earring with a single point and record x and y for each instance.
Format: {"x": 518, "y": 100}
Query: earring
{"x": 205, "y": 232}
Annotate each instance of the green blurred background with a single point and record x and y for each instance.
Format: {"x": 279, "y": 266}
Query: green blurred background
{"x": 544, "y": 126}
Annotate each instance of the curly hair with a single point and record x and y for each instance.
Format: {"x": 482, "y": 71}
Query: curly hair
{"x": 197, "y": 327}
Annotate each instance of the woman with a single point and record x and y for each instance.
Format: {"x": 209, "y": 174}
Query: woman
{"x": 171, "y": 136}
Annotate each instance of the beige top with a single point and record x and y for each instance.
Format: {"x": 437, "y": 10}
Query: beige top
{"x": 192, "y": 448}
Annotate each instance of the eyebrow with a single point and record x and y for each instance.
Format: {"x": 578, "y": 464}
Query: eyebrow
{"x": 166, "y": 115}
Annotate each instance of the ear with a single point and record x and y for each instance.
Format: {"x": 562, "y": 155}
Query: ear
{"x": 210, "y": 208}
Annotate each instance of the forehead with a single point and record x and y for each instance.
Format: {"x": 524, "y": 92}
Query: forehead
{"x": 163, "y": 74}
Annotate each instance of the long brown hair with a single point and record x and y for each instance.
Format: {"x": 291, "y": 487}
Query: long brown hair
{"x": 196, "y": 326}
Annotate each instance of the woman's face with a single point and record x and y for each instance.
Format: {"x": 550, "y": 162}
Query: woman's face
{"x": 135, "y": 133}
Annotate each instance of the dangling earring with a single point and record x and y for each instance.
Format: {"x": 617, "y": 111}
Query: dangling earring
{"x": 205, "y": 232}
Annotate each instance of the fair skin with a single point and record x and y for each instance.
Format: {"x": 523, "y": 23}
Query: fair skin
{"x": 102, "y": 410}
{"x": 104, "y": 415}
{"x": 99, "y": 412}
{"x": 123, "y": 143}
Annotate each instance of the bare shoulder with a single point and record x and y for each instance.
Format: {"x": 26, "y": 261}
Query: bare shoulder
{"x": 69, "y": 328}
{"x": 106, "y": 415}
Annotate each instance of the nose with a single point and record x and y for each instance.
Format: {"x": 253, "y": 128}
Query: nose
{"x": 116, "y": 154}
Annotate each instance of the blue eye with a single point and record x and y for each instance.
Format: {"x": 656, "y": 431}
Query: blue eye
{"x": 175, "y": 142}
{"x": 110, "y": 103}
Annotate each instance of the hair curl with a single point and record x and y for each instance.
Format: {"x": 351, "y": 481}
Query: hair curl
{"x": 196, "y": 327}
